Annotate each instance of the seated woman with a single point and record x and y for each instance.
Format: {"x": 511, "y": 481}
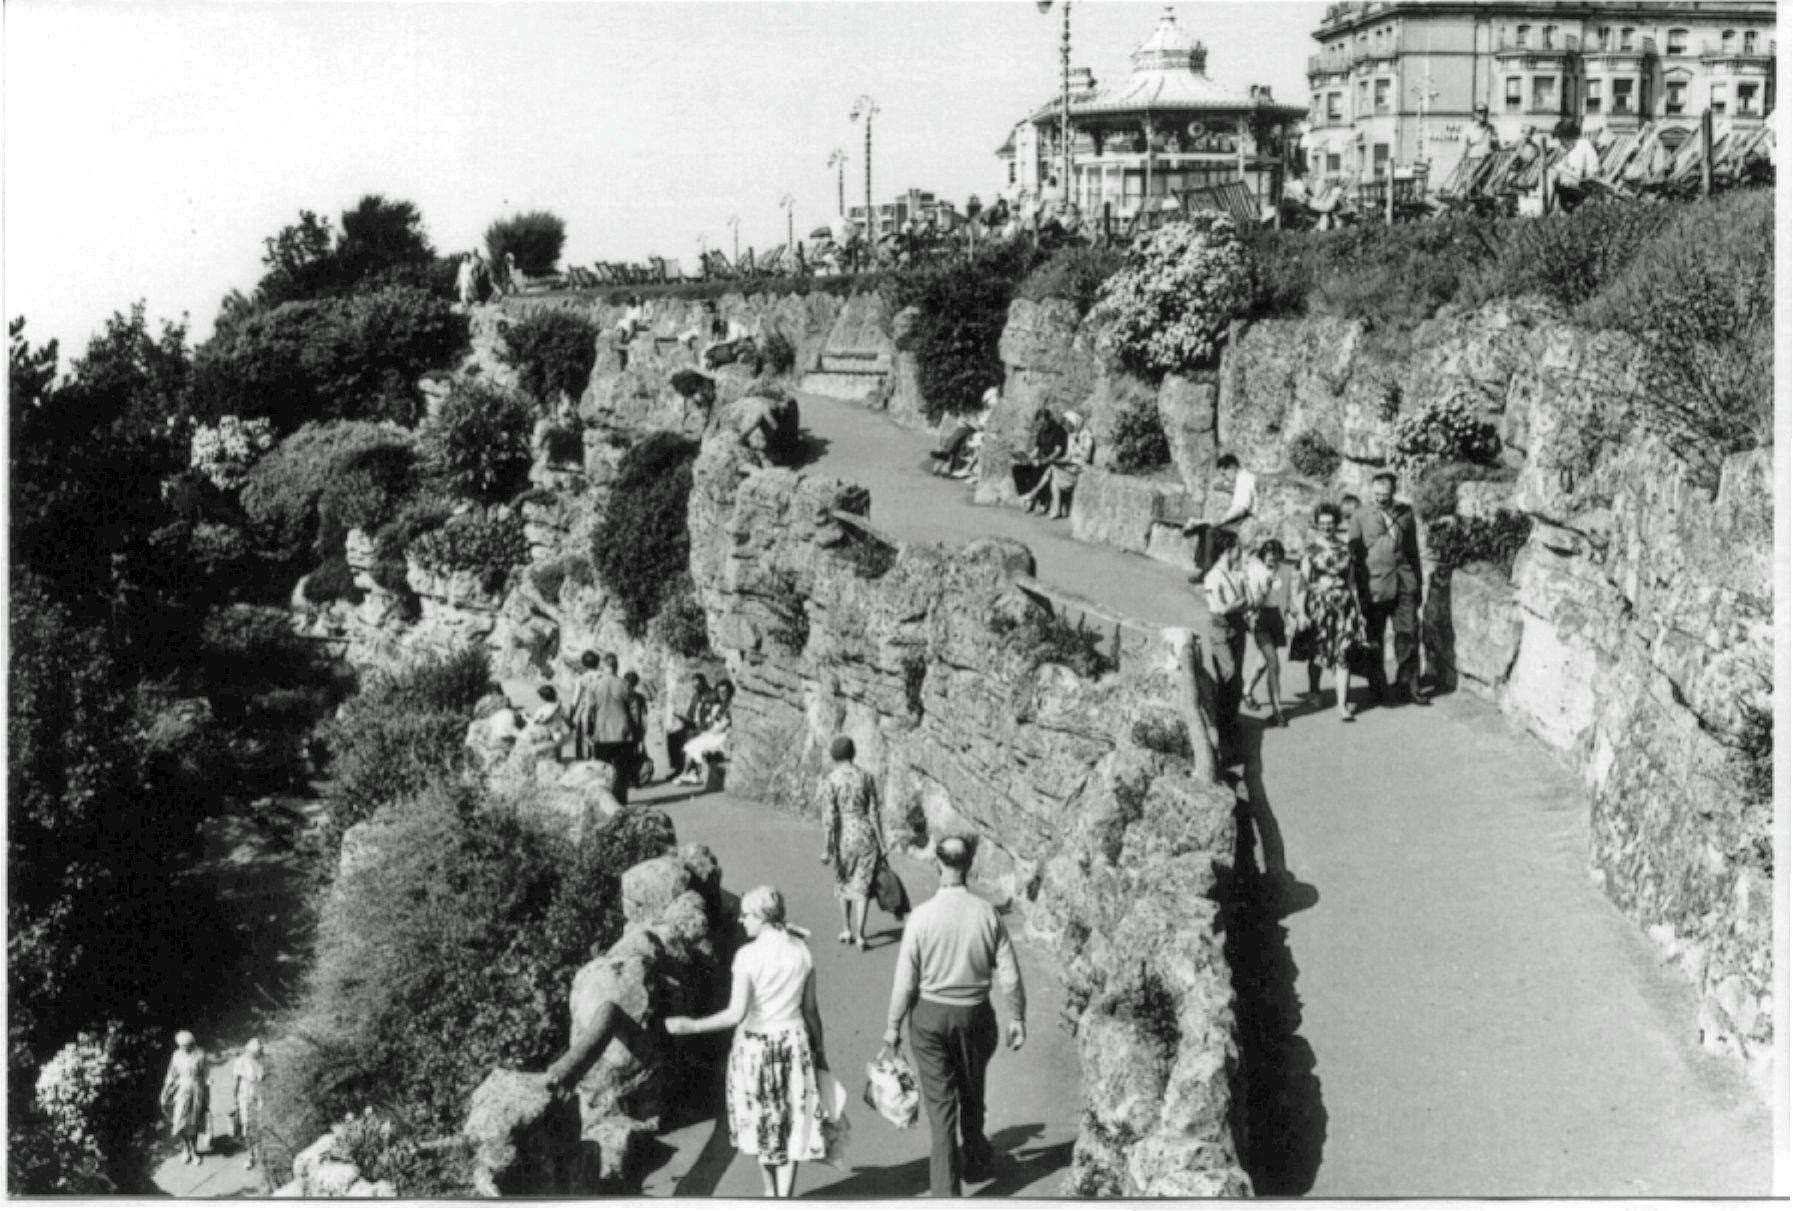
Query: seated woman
{"x": 633, "y": 320}
{"x": 726, "y": 337}
{"x": 711, "y": 743}
{"x": 961, "y": 438}
{"x": 548, "y": 727}
{"x": 1080, "y": 452}
{"x": 1032, "y": 478}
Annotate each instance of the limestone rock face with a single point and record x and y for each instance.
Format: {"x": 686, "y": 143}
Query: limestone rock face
{"x": 1121, "y": 511}
{"x": 1188, "y": 408}
{"x": 525, "y": 1140}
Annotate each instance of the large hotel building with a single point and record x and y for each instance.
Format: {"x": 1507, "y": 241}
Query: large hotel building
{"x": 1395, "y": 82}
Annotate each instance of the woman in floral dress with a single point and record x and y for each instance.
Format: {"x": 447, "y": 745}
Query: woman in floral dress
{"x": 186, "y": 1094}
{"x": 775, "y": 1110}
{"x": 1328, "y": 608}
{"x": 855, "y": 839}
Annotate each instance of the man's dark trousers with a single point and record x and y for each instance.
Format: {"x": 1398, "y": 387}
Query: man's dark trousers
{"x": 953, "y": 1045}
{"x": 1403, "y": 612}
{"x": 621, "y": 758}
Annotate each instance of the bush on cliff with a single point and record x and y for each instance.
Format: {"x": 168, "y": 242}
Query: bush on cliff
{"x": 1312, "y": 455}
{"x": 1075, "y": 273}
{"x": 1139, "y": 441}
{"x": 1456, "y": 542}
{"x": 1393, "y": 277}
{"x": 1169, "y": 307}
{"x": 489, "y": 545}
{"x": 553, "y": 353}
{"x": 536, "y": 237}
{"x": 1567, "y": 258}
{"x": 476, "y": 446}
{"x": 961, "y": 310}
{"x": 643, "y": 545}
{"x": 348, "y": 461}
{"x": 454, "y": 953}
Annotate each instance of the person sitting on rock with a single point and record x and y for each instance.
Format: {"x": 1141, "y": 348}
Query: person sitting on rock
{"x": 726, "y": 339}
{"x": 1032, "y": 478}
{"x": 769, "y": 430}
{"x": 712, "y": 743}
{"x": 695, "y": 390}
{"x": 548, "y": 727}
{"x": 633, "y": 321}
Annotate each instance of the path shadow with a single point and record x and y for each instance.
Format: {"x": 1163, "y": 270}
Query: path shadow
{"x": 811, "y": 448}
{"x": 1279, "y": 1114}
{"x": 1016, "y": 1168}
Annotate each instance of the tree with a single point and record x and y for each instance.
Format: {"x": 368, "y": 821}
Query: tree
{"x": 382, "y": 240}
{"x": 477, "y": 443}
{"x": 300, "y": 262}
{"x": 535, "y": 237}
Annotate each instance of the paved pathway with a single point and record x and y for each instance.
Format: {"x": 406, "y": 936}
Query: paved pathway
{"x": 1033, "y": 1095}
{"x": 1444, "y": 1003}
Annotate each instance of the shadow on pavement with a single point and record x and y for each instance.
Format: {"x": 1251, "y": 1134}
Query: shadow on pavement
{"x": 1281, "y": 1112}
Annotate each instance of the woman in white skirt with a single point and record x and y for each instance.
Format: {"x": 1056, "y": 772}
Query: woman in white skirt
{"x": 774, "y": 1097}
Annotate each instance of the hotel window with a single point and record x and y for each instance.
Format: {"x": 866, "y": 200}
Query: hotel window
{"x": 1334, "y": 107}
{"x": 1316, "y": 111}
{"x": 1721, "y": 97}
{"x": 1363, "y": 99}
{"x": 1548, "y": 38}
{"x": 1749, "y": 41}
{"x": 1522, "y": 35}
{"x": 1593, "y": 96}
{"x": 1544, "y": 93}
{"x": 1382, "y": 96}
{"x": 1605, "y": 37}
{"x": 1333, "y": 162}
{"x": 1515, "y": 97}
{"x": 1727, "y": 41}
{"x": 1381, "y": 159}
{"x": 1622, "y": 96}
{"x": 1746, "y": 98}
{"x": 1625, "y": 37}
{"x": 1677, "y": 42}
{"x": 1676, "y": 99}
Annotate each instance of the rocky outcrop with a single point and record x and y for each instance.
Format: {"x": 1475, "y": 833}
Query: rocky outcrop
{"x": 1107, "y": 847}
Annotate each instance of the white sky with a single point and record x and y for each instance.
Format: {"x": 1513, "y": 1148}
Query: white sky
{"x": 151, "y": 147}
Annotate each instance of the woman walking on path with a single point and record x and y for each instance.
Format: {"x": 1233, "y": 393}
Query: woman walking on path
{"x": 186, "y": 1094}
{"x": 855, "y": 838}
{"x": 774, "y": 1098}
{"x": 1328, "y": 607}
{"x": 1267, "y": 596}
{"x": 249, "y": 1072}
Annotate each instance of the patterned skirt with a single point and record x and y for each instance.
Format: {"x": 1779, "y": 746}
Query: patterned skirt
{"x": 774, "y": 1102}
{"x": 855, "y": 858}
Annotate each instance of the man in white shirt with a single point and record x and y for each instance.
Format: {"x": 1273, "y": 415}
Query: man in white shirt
{"x": 1575, "y": 174}
{"x": 1479, "y": 138}
{"x": 1241, "y": 487}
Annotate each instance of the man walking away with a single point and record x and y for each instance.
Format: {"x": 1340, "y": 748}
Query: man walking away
{"x": 611, "y": 725}
{"x": 953, "y": 947}
{"x": 1384, "y": 543}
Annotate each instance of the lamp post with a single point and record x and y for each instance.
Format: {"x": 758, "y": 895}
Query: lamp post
{"x": 734, "y": 221}
{"x": 867, "y": 108}
{"x": 790, "y": 230}
{"x": 1064, "y": 98}
{"x": 837, "y": 160}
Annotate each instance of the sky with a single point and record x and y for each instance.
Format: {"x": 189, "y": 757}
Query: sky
{"x": 150, "y": 147}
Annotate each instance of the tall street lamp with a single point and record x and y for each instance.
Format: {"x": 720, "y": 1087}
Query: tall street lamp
{"x": 734, "y": 221}
{"x": 867, "y": 108}
{"x": 1064, "y": 99}
{"x": 837, "y": 160}
{"x": 790, "y": 231}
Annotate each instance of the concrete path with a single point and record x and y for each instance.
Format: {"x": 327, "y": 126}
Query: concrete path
{"x": 1033, "y": 1094}
{"x": 1440, "y": 1000}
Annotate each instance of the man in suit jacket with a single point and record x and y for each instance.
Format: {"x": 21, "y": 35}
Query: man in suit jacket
{"x": 1384, "y": 542}
{"x": 602, "y": 707}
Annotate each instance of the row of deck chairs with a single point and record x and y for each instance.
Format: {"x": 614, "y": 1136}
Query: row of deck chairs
{"x": 713, "y": 266}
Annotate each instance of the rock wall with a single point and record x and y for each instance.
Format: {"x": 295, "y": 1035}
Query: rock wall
{"x": 1108, "y": 847}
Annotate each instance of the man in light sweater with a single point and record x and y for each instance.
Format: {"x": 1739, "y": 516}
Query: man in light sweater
{"x": 954, "y": 948}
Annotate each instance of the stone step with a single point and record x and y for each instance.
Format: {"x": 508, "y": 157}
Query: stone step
{"x": 858, "y": 385}
{"x": 834, "y": 361}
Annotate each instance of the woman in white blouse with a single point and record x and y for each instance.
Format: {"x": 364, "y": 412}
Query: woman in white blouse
{"x": 774, "y": 1098}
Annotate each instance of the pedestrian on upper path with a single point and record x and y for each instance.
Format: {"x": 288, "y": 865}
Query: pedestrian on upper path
{"x": 775, "y": 1111}
{"x": 1239, "y": 489}
{"x": 954, "y": 949}
{"x": 186, "y": 1094}
{"x": 1328, "y": 620}
{"x": 1384, "y": 542}
{"x": 854, "y": 840}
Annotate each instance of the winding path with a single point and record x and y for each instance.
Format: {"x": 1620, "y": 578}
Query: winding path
{"x": 1438, "y": 1000}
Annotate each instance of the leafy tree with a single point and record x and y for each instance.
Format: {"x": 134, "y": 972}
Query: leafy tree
{"x": 477, "y": 443}
{"x": 299, "y": 261}
{"x": 553, "y": 353}
{"x": 536, "y": 238}
{"x": 382, "y": 238}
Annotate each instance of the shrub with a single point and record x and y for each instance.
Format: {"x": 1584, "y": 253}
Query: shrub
{"x": 551, "y": 578}
{"x": 1567, "y": 258}
{"x": 349, "y": 358}
{"x": 399, "y": 734}
{"x": 1452, "y": 431}
{"x": 1170, "y": 305}
{"x": 1169, "y": 737}
{"x": 392, "y": 540}
{"x": 536, "y": 237}
{"x": 961, "y": 310}
{"x": 1458, "y": 541}
{"x": 77, "y": 1095}
{"x": 564, "y": 444}
{"x": 224, "y": 452}
{"x": 1139, "y": 441}
{"x": 681, "y": 625}
{"x": 553, "y": 353}
{"x": 492, "y": 545}
{"x": 282, "y": 493}
{"x": 777, "y": 354}
{"x": 1392, "y": 277}
{"x": 790, "y": 628}
{"x": 453, "y": 955}
{"x": 1312, "y": 455}
{"x": 1076, "y": 273}
{"x": 334, "y": 580}
{"x": 477, "y": 444}
{"x": 1045, "y": 638}
{"x": 1700, "y": 299}
{"x": 1434, "y": 491}
{"x": 644, "y": 546}
{"x": 870, "y": 557}
{"x": 368, "y": 489}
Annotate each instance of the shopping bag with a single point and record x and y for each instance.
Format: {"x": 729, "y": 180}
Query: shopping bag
{"x": 891, "y": 895}
{"x": 891, "y": 1089}
{"x": 837, "y": 1129}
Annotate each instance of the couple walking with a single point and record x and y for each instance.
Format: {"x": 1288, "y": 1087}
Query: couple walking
{"x": 954, "y": 951}
{"x": 609, "y": 719}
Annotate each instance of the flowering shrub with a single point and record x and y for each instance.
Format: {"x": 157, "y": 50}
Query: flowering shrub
{"x": 1312, "y": 455}
{"x": 1169, "y": 305}
{"x": 71, "y": 1087}
{"x": 492, "y": 545}
{"x": 1447, "y": 432}
{"x": 224, "y": 452}
{"x": 1497, "y": 540}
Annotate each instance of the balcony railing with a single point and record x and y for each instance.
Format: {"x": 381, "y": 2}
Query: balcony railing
{"x": 1534, "y": 44}
{"x": 1761, "y": 49}
{"x": 1333, "y": 62}
{"x": 1638, "y": 46}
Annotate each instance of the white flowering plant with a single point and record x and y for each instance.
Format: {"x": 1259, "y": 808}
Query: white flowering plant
{"x": 1168, "y": 307}
{"x": 1444, "y": 432}
{"x": 224, "y": 452}
{"x": 70, "y": 1091}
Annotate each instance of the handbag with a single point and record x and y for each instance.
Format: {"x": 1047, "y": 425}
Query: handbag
{"x": 889, "y": 891}
{"x": 892, "y": 1090}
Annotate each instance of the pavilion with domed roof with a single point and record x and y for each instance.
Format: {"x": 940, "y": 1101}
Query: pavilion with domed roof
{"x": 1164, "y": 130}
